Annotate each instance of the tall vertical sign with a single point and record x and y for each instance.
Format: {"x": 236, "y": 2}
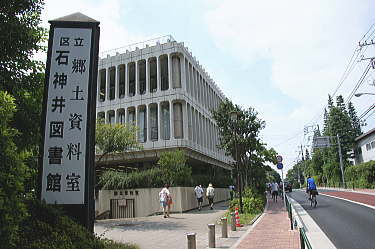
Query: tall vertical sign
{"x": 68, "y": 159}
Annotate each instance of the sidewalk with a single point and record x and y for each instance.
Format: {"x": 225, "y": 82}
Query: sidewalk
{"x": 272, "y": 231}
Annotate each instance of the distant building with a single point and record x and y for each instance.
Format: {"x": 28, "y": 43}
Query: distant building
{"x": 164, "y": 90}
{"x": 365, "y": 147}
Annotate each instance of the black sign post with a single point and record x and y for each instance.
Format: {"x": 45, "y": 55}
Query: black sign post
{"x": 67, "y": 155}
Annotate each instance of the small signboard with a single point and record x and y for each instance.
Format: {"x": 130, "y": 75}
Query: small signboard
{"x": 279, "y": 165}
{"x": 122, "y": 202}
{"x": 279, "y": 158}
{"x": 321, "y": 142}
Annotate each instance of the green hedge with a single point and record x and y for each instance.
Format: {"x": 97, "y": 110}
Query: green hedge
{"x": 361, "y": 175}
{"x": 253, "y": 202}
{"x": 154, "y": 178}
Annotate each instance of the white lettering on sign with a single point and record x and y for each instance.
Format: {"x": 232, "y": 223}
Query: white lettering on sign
{"x": 63, "y": 180}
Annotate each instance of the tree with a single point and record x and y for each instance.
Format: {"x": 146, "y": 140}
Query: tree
{"x": 12, "y": 175}
{"x": 174, "y": 168}
{"x": 356, "y": 125}
{"x": 118, "y": 138}
{"x": 240, "y": 140}
{"x": 23, "y": 77}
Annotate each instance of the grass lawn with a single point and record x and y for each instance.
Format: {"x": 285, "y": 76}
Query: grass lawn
{"x": 245, "y": 219}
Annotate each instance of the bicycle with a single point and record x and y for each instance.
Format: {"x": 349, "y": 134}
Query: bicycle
{"x": 313, "y": 199}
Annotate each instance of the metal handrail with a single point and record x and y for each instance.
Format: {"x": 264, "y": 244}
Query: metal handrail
{"x": 303, "y": 239}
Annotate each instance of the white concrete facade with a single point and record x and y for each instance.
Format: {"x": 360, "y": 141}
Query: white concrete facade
{"x": 168, "y": 95}
{"x": 365, "y": 147}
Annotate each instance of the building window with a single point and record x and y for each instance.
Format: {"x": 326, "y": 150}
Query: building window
{"x": 154, "y": 122}
{"x": 165, "y": 121}
{"x": 121, "y": 89}
{"x": 177, "y": 119}
{"x": 153, "y": 75}
{"x": 112, "y": 78}
{"x": 102, "y": 75}
{"x": 176, "y": 71}
{"x": 131, "y": 79}
{"x": 142, "y": 76}
{"x": 142, "y": 125}
{"x": 121, "y": 116}
{"x": 164, "y": 73}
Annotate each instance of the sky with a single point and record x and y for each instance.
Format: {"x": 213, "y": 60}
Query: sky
{"x": 282, "y": 58}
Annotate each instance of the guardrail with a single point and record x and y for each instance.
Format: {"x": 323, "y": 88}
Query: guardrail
{"x": 304, "y": 241}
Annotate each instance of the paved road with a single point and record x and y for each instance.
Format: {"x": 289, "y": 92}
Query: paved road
{"x": 347, "y": 225}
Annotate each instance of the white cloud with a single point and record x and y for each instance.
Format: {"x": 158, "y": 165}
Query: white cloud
{"x": 109, "y": 13}
{"x": 308, "y": 43}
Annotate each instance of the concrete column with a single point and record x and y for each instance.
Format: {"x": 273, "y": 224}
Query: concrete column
{"x": 148, "y": 122}
{"x": 183, "y": 73}
{"x": 224, "y": 228}
{"x": 158, "y": 83}
{"x": 116, "y": 116}
{"x": 185, "y": 121}
{"x": 192, "y": 243}
{"x": 105, "y": 117}
{"x": 147, "y": 76}
{"x": 211, "y": 235}
{"x": 159, "y": 121}
{"x": 136, "y": 79}
{"x": 170, "y": 72}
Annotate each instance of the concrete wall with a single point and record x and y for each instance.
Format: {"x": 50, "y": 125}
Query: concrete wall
{"x": 147, "y": 199}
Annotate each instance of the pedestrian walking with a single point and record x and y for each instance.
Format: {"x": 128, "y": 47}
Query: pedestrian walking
{"x": 163, "y": 198}
{"x": 199, "y": 195}
{"x": 210, "y": 194}
{"x": 274, "y": 190}
{"x": 231, "y": 192}
{"x": 169, "y": 203}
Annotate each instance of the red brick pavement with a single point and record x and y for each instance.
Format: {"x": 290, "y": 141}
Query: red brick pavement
{"x": 272, "y": 231}
{"x": 353, "y": 196}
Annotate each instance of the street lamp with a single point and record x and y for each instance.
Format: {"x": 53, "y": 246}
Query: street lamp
{"x": 360, "y": 94}
{"x": 234, "y": 118}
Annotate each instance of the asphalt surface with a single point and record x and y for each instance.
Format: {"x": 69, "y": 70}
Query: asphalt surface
{"x": 347, "y": 225}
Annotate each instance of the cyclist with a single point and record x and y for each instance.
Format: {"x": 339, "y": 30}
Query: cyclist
{"x": 311, "y": 187}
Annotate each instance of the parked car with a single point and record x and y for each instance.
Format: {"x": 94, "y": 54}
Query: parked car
{"x": 288, "y": 186}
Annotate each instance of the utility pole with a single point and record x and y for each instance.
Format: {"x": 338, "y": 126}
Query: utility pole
{"x": 304, "y": 163}
{"x": 341, "y": 164}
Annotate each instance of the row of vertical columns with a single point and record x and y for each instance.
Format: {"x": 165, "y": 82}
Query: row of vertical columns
{"x": 107, "y": 71}
{"x": 199, "y": 88}
{"x": 173, "y": 118}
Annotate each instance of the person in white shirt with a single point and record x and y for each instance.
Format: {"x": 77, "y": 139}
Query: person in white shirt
{"x": 163, "y": 198}
{"x": 199, "y": 195}
{"x": 274, "y": 190}
{"x": 210, "y": 193}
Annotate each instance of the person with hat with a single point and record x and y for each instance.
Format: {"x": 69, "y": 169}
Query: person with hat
{"x": 210, "y": 193}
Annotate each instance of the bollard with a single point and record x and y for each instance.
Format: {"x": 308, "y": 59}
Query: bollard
{"x": 224, "y": 229}
{"x": 233, "y": 223}
{"x": 211, "y": 235}
{"x": 192, "y": 243}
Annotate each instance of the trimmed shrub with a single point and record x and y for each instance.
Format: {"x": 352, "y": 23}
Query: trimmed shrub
{"x": 253, "y": 202}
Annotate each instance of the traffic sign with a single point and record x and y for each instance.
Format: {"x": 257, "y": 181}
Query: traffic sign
{"x": 279, "y": 158}
{"x": 279, "y": 165}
